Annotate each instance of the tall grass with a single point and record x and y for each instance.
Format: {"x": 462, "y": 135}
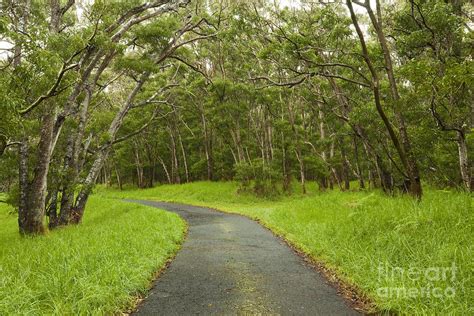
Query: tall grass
{"x": 98, "y": 267}
{"x": 392, "y": 248}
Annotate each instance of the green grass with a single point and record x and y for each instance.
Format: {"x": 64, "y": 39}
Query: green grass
{"x": 98, "y": 267}
{"x": 361, "y": 236}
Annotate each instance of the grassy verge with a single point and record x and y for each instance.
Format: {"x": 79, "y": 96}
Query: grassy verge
{"x": 99, "y": 267}
{"x": 398, "y": 252}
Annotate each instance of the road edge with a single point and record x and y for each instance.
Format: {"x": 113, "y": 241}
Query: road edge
{"x": 353, "y": 296}
{"x": 140, "y": 297}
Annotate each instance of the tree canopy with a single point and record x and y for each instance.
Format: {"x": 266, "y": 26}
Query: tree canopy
{"x": 174, "y": 91}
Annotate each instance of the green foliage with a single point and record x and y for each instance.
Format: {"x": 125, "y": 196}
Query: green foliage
{"x": 355, "y": 233}
{"x": 99, "y": 267}
{"x": 258, "y": 177}
{"x": 135, "y": 63}
{"x": 159, "y": 32}
{"x": 230, "y": 105}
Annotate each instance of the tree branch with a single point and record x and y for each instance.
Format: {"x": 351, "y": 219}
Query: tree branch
{"x": 195, "y": 68}
{"x": 53, "y": 90}
{"x": 325, "y": 74}
{"x": 280, "y": 84}
{"x": 67, "y": 6}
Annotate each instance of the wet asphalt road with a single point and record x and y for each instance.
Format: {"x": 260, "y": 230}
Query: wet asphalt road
{"x": 230, "y": 265}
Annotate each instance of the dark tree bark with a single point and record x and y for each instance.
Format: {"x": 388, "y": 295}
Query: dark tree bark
{"x": 52, "y": 211}
{"x": 33, "y": 194}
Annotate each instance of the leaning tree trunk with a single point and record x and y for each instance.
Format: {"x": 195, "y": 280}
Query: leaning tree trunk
{"x": 411, "y": 166}
{"x": 404, "y": 151}
{"x": 83, "y": 196}
{"x": 72, "y": 161}
{"x": 185, "y": 158}
{"x": 359, "y": 131}
{"x": 165, "y": 169}
{"x": 98, "y": 59}
{"x": 67, "y": 191}
{"x": 77, "y": 211}
{"x": 174, "y": 158}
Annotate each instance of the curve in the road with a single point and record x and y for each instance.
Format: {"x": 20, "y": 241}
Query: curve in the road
{"x": 230, "y": 265}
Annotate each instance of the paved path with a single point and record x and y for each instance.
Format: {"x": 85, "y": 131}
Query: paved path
{"x": 230, "y": 265}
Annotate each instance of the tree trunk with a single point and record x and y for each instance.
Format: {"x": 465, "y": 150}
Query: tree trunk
{"x": 334, "y": 176}
{"x": 464, "y": 161}
{"x": 117, "y": 174}
{"x": 238, "y": 142}
{"x": 207, "y": 145}
{"x": 152, "y": 162}
{"x": 286, "y": 166}
{"x": 31, "y": 219}
{"x": 174, "y": 158}
{"x": 183, "y": 152}
{"x": 209, "y": 162}
{"x": 67, "y": 191}
{"x": 138, "y": 165}
{"x": 411, "y": 166}
{"x": 74, "y": 159}
{"x": 404, "y": 152}
{"x": 360, "y": 174}
{"x": 302, "y": 173}
{"x": 23, "y": 185}
{"x": 52, "y": 211}
{"x": 77, "y": 211}
{"x": 325, "y": 182}
{"x": 345, "y": 167}
{"x": 165, "y": 169}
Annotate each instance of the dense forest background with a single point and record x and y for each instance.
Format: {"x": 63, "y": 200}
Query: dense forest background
{"x": 321, "y": 93}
